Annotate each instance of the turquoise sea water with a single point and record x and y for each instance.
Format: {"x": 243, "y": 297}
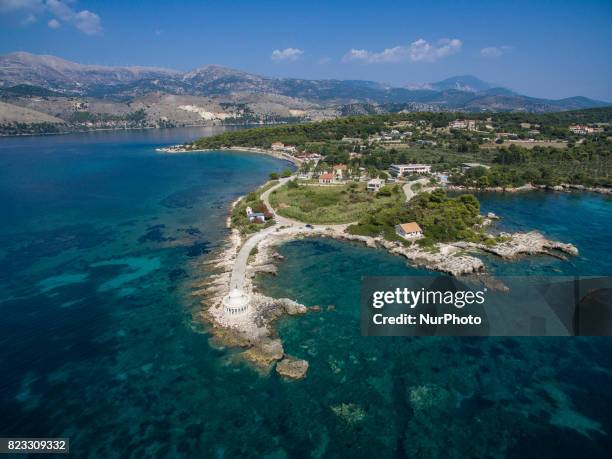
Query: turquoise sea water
{"x": 101, "y": 241}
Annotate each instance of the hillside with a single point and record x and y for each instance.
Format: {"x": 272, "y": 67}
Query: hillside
{"x": 69, "y": 91}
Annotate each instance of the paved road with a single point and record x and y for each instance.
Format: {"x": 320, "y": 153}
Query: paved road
{"x": 289, "y": 226}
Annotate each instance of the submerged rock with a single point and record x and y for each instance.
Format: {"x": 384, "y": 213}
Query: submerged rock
{"x": 429, "y": 397}
{"x": 265, "y": 352}
{"x": 292, "y": 368}
{"x": 350, "y": 413}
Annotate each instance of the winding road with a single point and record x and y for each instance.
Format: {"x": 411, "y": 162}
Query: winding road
{"x": 286, "y": 225}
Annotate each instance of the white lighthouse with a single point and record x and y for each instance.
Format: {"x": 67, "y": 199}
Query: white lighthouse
{"x": 236, "y": 303}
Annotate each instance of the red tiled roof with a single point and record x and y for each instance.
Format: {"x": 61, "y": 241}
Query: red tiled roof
{"x": 412, "y": 227}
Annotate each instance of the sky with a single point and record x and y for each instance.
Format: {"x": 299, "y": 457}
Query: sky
{"x": 549, "y": 49}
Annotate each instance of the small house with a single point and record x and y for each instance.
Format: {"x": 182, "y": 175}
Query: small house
{"x": 340, "y": 171}
{"x": 375, "y": 184}
{"x": 410, "y": 230}
{"x": 257, "y": 218}
{"x": 327, "y": 178}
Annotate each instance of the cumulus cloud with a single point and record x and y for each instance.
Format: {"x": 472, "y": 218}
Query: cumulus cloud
{"x": 287, "y": 54}
{"x": 61, "y": 11}
{"x": 495, "y": 51}
{"x": 418, "y": 51}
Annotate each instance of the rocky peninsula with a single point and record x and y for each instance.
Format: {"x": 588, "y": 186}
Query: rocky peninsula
{"x": 243, "y": 258}
{"x": 188, "y": 148}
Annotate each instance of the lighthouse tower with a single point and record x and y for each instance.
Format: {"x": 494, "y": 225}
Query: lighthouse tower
{"x": 236, "y": 303}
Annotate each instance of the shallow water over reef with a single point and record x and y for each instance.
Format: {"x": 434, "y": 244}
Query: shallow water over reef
{"x": 100, "y": 238}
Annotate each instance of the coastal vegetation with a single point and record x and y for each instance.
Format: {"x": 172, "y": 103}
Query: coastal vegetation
{"x": 520, "y": 148}
{"x": 442, "y": 218}
{"x": 330, "y": 204}
{"x": 303, "y": 134}
{"x": 588, "y": 163}
{"x": 253, "y": 200}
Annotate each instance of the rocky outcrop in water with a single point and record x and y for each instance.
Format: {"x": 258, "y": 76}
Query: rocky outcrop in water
{"x": 531, "y": 243}
{"x": 292, "y": 368}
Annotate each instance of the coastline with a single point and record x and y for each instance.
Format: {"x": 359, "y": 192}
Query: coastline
{"x": 563, "y": 187}
{"x": 255, "y": 331}
{"x": 81, "y": 131}
{"x": 262, "y": 151}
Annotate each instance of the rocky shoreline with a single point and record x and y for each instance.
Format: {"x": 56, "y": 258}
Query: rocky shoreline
{"x": 563, "y": 187}
{"x": 262, "y": 151}
{"x": 255, "y": 331}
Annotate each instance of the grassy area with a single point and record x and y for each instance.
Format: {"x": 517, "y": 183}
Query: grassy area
{"x": 253, "y": 200}
{"x": 333, "y": 204}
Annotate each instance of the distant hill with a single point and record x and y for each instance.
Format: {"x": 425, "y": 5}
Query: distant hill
{"x": 55, "y": 73}
{"x": 468, "y": 83}
{"x": 104, "y": 95}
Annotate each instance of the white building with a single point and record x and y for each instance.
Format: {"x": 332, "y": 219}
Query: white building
{"x": 327, "y": 178}
{"x": 340, "y": 171}
{"x": 280, "y": 146}
{"x": 583, "y": 129}
{"x": 375, "y": 184}
{"x": 255, "y": 217}
{"x": 410, "y": 230}
{"x": 236, "y": 303}
{"x": 470, "y": 125}
{"x": 400, "y": 170}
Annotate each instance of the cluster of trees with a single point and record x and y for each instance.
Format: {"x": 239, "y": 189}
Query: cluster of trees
{"x": 442, "y": 218}
{"x": 253, "y": 200}
{"x": 362, "y": 126}
{"x": 295, "y": 134}
{"x": 284, "y": 173}
{"x": 31, "y": 128}
{"x": 586, "y": 163}
{"x": 446, "y": 219}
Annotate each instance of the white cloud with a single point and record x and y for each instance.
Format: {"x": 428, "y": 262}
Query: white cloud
{"x": 495, "y": 51}
{"x": 417, "y": 51}
{"x": 287, "y": 54}
{"x": 88, "y": 22}
{"x": 60, "y": 11}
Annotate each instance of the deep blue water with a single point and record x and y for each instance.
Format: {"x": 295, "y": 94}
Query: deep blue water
{"x": 584, "y": 219}
{"x": 102, "y": 241}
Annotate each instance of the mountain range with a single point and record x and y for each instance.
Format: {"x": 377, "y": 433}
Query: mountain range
{"x": 214, "y": 93}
